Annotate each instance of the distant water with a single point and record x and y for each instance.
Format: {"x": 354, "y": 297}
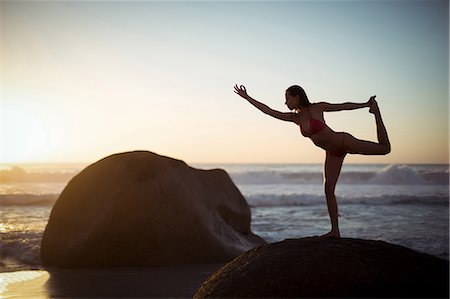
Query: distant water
{"x": 401, "y": 204}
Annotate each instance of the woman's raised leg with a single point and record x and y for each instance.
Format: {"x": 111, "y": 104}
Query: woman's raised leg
{"x": 353, "y": 145}
{"x": 332, "y": 169}
{"x": 382, "y": 134}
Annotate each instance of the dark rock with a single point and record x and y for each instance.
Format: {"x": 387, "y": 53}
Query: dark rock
{"x": 142, "y": 209}
{"x": 325, "y": 267}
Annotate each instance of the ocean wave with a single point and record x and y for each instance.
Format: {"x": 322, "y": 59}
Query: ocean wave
{"x": 27, "y": 199}
{"x": 262, "y": 200}
{"x": 404, "y": 180}
{"x": 273, "y": 200}
{"x": 283, "y": 174}
{"x": 18, "y": 174}
{"x": 20, "y": 251}
{"x": 400, "y": 174}
{"x": 390, "y": 175}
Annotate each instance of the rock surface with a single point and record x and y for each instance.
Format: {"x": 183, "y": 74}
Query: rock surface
{"x": 142, "y": 209}
{"x": 324, "y": 267}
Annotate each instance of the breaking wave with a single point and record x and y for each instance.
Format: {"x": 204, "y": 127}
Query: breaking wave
{"x": 28, "y": 199}
{"x": 391, "y": 175}
{"x": 273, "y": 200}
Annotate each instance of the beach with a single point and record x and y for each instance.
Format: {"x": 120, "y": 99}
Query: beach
{"x": 400, "y": 204}
{"x": 162, "y": 282}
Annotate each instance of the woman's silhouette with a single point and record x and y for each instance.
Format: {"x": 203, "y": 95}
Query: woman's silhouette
{"x": 309, "y": 117}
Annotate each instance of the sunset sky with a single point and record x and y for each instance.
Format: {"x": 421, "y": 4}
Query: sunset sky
{"x": 83, "y": 80}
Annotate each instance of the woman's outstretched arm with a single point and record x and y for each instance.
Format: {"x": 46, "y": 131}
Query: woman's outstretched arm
{"x": 286, "y": 116}
{"x": 344, "y": 106}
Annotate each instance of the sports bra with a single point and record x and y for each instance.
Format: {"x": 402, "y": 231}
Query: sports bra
{"x": 315, "y": 126}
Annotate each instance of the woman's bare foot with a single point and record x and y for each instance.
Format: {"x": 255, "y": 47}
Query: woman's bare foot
{"x": 331, "y": 234}
{"x": 373, "y": 106}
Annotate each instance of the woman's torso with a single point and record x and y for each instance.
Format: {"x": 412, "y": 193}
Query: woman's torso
{"x": 312, "y": 125}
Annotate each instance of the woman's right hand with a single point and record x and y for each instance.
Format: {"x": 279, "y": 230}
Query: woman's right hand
{"x": 241, "y": 91}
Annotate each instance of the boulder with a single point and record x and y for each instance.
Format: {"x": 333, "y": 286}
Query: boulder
{"x": 329, "y": 268}
{"x": 143, "y": 209}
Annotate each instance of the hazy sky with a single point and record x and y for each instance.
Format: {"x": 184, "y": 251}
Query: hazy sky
{"x": 82, "y": 80}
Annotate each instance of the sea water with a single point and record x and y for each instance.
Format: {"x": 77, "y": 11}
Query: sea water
{"x": 401, "y": 204}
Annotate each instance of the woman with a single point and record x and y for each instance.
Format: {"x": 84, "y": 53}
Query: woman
{"x": 309, "y": 116}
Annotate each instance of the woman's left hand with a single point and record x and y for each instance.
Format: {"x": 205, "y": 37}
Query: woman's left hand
{"x": 240, "y": 90}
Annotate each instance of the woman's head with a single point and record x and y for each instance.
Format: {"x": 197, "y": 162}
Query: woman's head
{"x": 296, "y": 97}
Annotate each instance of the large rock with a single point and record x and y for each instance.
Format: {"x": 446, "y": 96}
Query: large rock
{"x": 329, "y": 268}
{"x": 142, "y": 209}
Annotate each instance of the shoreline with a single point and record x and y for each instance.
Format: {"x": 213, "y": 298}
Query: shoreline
{"x": 180, "y": 281}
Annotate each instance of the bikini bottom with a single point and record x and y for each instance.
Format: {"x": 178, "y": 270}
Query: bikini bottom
{"x": 340, "y": 152}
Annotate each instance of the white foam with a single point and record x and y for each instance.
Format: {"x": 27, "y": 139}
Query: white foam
{"x": 398, "y": 174}
{"x": 390, "y": 175}
{"x": 273, "y": 200}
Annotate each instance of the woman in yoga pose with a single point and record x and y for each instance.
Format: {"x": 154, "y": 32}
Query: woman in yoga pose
{"x": 309, "y": 117}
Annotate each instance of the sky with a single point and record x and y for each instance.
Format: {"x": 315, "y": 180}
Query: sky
{"x": 81, "y": 80}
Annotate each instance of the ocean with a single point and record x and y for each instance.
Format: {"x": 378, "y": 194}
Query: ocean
{"x": 400, "y": 204}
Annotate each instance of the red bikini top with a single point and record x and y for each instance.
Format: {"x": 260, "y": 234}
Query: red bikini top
{"x": 315, "y": 126}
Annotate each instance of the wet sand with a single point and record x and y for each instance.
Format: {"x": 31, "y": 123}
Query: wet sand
{"x": 162, "y": 282}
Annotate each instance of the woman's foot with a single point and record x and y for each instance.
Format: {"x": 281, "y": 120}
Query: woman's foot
{"x": 373, "y": 106}
{"x": 331, "y": 234}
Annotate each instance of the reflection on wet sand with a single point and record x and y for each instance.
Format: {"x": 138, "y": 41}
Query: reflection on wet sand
{"x": 174, "y": 281}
